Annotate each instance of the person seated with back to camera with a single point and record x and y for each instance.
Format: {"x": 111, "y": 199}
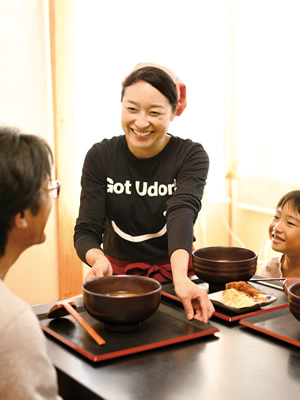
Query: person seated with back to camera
{"x": 141, "y": 192}
{"x": 26, "y": 371}
{"x": 284, "y": 233}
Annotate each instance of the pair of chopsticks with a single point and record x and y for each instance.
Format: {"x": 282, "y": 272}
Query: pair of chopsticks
{"x": 266, "y": 279}
{"x": 62, "y": 309}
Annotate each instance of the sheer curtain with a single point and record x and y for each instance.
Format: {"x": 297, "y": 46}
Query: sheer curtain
{"x": 188, "y": 37}
{"x": 267, "y": 65}
{"x": 240, "y": 62}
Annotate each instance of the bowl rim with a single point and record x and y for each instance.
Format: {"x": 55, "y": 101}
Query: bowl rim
{"x": 289, "y": 290}
{"x": 288, "y": 282}
{"x": 158, "y": 289}
{"x": 227, "y": 247}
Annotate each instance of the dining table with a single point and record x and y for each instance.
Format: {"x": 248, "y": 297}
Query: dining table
{"x": 236, "y": 358}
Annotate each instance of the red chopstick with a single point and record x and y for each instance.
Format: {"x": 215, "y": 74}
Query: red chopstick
{"x": 98, "y": 339}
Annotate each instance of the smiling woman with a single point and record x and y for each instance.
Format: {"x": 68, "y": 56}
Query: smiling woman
{"x": 151, "y": 235}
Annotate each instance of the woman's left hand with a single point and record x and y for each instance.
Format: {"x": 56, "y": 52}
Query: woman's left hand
{"x": 194, "y": 300}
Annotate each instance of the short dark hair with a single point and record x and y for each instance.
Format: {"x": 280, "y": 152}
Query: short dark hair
{"x": 25, "y": 162}
{"x": 293, "y": 198}
{"x": 158, "y": 79}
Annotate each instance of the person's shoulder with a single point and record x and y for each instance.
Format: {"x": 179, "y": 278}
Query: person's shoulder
{"x": 114, "y": 140}
{"x": 7, "y": 297}
{"x": 271, "y": 268}
{"x": 106, "y": 147}
{"x": 188, "y": 147}
{"x": 275, "y": 260}
{"x": 187, "y": 144}
{"x": 13, "y": 309}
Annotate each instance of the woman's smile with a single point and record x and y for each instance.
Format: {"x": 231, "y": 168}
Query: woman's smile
{"x": 141, "y": 134}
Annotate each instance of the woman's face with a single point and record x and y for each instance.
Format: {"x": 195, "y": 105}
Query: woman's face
{"x": 146, "y": 115}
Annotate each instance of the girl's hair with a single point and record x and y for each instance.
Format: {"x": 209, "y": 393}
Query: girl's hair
{"x": 25, "y": 162}
{"x": 157, "y": 78}
{"x": 293, "y": 198}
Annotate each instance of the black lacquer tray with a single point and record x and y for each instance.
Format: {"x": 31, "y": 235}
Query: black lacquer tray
{"x": 166, "y": 327}
{"x": 280, "y": 324}
{"x": 274, "y": 289}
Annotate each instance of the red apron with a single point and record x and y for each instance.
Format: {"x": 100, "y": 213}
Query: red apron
{"x": 159, "y": 270}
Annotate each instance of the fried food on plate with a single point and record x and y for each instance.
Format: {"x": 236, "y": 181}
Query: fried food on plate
{"x": 237, "y": 299}
{"x": 245, "y": 288}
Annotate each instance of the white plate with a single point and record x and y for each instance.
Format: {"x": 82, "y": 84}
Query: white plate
{"x": 264, "y": 300}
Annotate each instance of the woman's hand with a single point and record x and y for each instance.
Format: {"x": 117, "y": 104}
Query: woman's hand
{"x": 194, "y": 300}
{"x": 101, "y": 266}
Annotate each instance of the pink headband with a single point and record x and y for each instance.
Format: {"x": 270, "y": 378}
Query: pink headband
{"x": 180, "y": 86}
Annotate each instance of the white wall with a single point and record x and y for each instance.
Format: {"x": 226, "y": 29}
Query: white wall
{"x": 25, "y": 102}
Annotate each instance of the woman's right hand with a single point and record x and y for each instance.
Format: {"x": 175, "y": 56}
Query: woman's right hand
{"x": 101, "y": 266}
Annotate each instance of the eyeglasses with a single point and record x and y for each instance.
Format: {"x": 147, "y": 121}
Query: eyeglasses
{"x": 53, "y": 189}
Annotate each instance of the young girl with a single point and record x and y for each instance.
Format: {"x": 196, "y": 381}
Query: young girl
{"x": 284, "y": 232}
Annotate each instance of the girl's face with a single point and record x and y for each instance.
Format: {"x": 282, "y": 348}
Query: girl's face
{"x": 146, "y": 115}
{"x": 284, "y": 230}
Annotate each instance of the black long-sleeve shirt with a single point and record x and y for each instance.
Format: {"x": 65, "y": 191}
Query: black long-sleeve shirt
{"x": 140, "y": 210}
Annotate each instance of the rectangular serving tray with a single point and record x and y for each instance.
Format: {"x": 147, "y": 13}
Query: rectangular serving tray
{"x": 165, "y": 327}
{"x": 280, "y": 324}
{"x": 230, "y": 316}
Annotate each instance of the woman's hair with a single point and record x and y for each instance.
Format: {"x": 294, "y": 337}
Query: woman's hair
{"x": 157, "y": 78}
{"x": 25, "y": 162}
{"x": 293, "y": 198}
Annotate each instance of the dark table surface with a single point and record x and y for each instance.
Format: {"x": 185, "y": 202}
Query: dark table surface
{"x": 234, "y": 363}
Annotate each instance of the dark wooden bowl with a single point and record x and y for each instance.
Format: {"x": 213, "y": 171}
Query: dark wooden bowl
{"x": 121, "y": 302}
{"x": 294, "y": 299}
{"x": 222, "y": 264}
{"x": 288, "y": 282}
